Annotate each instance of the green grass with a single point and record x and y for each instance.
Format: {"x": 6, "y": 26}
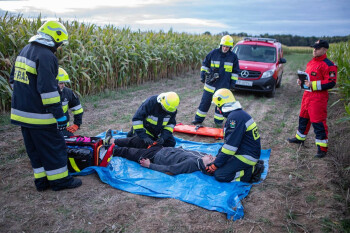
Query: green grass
{"x": 296, "y": 61}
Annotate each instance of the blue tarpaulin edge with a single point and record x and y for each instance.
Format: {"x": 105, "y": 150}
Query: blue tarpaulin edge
{"x": 194, "y": 188}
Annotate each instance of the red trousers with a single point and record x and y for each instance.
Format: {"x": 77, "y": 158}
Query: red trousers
{"x": 314, "y": 111}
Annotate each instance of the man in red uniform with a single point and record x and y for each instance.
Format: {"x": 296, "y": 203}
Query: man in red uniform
{"x": 322, "y": 76}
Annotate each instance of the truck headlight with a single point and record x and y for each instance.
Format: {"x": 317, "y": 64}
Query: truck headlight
{"x": 268, "y": 74}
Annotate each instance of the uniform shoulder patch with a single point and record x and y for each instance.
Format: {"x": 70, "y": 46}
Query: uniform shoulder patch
{"x": 332, "y": 74}
{"x": 232, "y": 124}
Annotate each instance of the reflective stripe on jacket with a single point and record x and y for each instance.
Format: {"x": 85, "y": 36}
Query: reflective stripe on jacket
{"x": 227, "y": 66}
{"x": 151, "y": 119}
{"x": 71, "y": 101}
{"x": 36, "y": 101}
{"x": 241, "y": 139}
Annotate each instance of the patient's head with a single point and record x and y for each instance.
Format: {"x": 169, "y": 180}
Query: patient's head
{"x": 207, "y": 159}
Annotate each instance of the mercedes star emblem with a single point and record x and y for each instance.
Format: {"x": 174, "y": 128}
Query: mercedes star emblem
{"x": 244, "y": 73}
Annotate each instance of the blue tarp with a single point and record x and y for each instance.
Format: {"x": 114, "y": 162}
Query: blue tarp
{"x": 195, "y": 188}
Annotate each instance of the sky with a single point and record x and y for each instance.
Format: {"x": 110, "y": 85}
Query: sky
{"x": 255, "y": 17}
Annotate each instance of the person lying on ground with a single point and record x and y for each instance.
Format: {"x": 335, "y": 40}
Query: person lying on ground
{"x": 169, "y": 160}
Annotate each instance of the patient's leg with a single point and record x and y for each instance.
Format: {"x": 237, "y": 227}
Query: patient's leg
{"x": 135, "y": 154}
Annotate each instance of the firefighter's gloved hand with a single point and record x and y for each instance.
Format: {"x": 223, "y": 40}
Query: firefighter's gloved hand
{"x": 160, "y": 141}
{"x": 211, "y": 168}
{"x": 73, "y": 128}
{"x": 62, "y": 123}
{"x": 203, "y": 77}
{"x": 148, "y": 141}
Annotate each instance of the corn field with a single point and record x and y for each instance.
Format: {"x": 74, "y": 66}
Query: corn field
{"x": 99, "y": 58}
{"x": 296, "y": 49}
{"x": 340, "y": 54}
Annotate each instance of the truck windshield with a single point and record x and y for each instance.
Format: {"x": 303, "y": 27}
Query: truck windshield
{"x": 255, "y": 53}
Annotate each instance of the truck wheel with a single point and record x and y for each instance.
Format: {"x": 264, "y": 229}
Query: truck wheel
{"x": 272, "y": 93}
{"x": 279, "y": 82}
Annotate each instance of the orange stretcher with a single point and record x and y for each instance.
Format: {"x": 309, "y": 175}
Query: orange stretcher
{"x": 200, "y": 130}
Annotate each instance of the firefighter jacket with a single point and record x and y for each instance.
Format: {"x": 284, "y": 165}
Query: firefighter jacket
{"x": 151, "y": 119}
{"x": 71, "y": 101}
{"x": 322, "y": 73}
{"x": 241, "y": 139}
{"x": 35, "y": 100}
{"x": 226, "y": 64}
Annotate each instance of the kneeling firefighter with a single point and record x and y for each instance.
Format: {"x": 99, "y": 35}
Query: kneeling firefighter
{"x": 153, "y": 122}
{"x": 69, "y": 101}
{"x": 237, "y": 159}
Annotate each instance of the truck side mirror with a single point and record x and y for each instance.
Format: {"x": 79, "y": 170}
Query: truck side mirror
{"x": 282, "y": 60}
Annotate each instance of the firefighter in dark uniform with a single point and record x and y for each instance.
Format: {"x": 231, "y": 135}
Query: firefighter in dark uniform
{"x": 313, "y": 111}
{"x": 36, "y": 107}
{"x": 219, "y": 70}
{"x": 154, "y": 121}
{"x": 238, "y": 157}
{"x": 69, "y": 101}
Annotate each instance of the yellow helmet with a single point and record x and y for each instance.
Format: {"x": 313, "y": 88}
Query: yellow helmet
{"x": 56, "y": 30}
{"x": 169, "y": 101}
{"x": 223, "y": 96}
{"x": 227, "y": 41}
{"x": 62, "y": 76}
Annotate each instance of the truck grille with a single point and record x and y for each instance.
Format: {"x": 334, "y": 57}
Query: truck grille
{"x": 252, "y": 74}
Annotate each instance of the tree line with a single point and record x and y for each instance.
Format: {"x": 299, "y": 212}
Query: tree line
{"x": 291, "y": 40}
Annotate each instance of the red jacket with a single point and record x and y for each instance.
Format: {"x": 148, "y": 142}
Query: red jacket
{"x": 323, "y": 74}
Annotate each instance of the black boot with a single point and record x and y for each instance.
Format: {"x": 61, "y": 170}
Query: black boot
{"x": 320, "y": 153}
{"x": 68, "y": 182}
{"x": 258, "y": 170}
{"x": 295, "y": 140}
{"x": 195, "y": 122}
{"x": 108, "y": 137}
{"x": 130, "y": 133}
{"x": 41, "y": 184}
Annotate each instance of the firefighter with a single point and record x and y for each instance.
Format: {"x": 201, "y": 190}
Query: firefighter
{"x": 154, "y": 121}
{"x": 36, "y": 107}
{"x": 322, "y": 76}
{"x": 69, "y": 101}
{"x": 219, "y": 70}
{"x": 238, "y": 157}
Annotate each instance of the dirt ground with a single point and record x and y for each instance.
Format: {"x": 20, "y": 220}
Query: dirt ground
{"x": 298, "y": 194}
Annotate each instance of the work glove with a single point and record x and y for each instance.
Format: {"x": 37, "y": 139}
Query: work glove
{"x": 148, "y": 141}
{"x": 203, "y": 77}
{"x": 211, "y": 168}
{"x": 73, "y": 128}
{"x": 62, "y": 123}
{"x": 160, "y": 141}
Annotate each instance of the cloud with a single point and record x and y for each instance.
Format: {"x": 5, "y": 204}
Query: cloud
{"x": 190, "y": 21}
{"x": 251, "y": 16}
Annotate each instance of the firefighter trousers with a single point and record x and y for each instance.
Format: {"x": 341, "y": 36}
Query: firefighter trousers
{"x": 234, "y": 170}
{"x": 204, "y": 106}
{"x": 313, "y": 112}
{"x": 46, "y": 149}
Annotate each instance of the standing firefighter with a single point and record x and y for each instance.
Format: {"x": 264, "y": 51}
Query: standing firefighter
{"x": 69, "y": 101}
{"x": 323, "y": 76}
{"x": 238, "y": 158}
{"x": 219, "y": 70}
{"x": 154, "y": 121}
{"x": 36, "y": 107}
